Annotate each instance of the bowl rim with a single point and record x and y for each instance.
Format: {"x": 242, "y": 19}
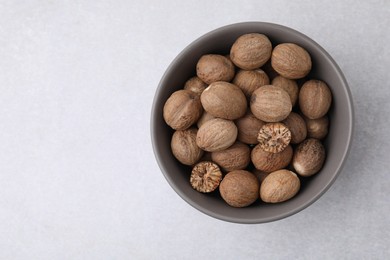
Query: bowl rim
{"x": 282, "y": 215}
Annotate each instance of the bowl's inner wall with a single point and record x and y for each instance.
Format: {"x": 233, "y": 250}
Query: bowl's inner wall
{"x": 337, "y": 142}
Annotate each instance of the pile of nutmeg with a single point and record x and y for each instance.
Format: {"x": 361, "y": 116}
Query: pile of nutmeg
{"x": 251, "y": 122}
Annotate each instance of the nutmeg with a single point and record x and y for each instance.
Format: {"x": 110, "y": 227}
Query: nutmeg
{"x": 251, "y": 51}
{"x": 196, "y": 85}
{"x": 204, "y": 118}
{"x": 297, "y": 126}
{"x": 224, "y": 100}
{"x": 182, "y": 109}
{"x": 270, "y": 103}
{"x": 236, "y": 157}
{"x": 216, "y": 135}
{"x": 279, "y": 186}
{"x": 291, "y": 60}
{"x": 184, "y": 148}
{"x": 288, "y": 85}
{"x": 317, "y": 128}
{"x": 250, "y": 80}
{"x": 248, "y": 128}
{"x": 315, "y": 99}
{"x": 269, "y": 162}
{"x": 309, "y": 157}
{"x": 213, "y": 67}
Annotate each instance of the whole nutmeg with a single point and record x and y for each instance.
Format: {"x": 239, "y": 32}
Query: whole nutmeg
{"x": 270, "y": 103}
{"x": 239, "y": 188}
{"x": 279, "y": 186}
{"x": 224, "y": 100}
{"x": 291, "y": 60}
{"x": 184, "y": 148}
{"x": 205, "y": 177}
{"x": 182, "y": 109}
{"x": 274, "y": 137}
{"x": 316, "y": 128}
{"x": 269, "y": 162}
{"x": 216, "y": 135}
{"x": 315, "y": 99}
{"x": 250, "y": 80}
{"x": 236, "y": 157}
{"x": 204, "y": 118}
{"x": 297, "y": 126}
{"x": 248, "y": 128}
{"x": 196, "y": 85}
{"x": 288, "y": 85}
{"x": 308, "y": 157}
{"x": 251, "y": 51}
{"x": 213, "y": 67}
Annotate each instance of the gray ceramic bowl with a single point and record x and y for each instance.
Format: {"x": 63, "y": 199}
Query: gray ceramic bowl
{"x": 337, "y": 142}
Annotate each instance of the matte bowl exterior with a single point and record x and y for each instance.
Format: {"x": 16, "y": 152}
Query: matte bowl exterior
{"x": 337, "y": 143}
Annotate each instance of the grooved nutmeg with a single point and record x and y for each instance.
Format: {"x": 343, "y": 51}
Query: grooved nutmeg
{"x": 270, "y": 103}
{"x": 308, "y": 157}
{"x": 182, "y": 109}
{"x": 239, "y": 188}
{"x": 251, "y": 51}
{"x": 213, "y": 67}
{"x": 224, "y": 100}
{"x": 297, "y": 126}
{"x": 291, "y": 60}
{"x": 196, "y": 85}
{"x": 317, "y": 128}
{"x": 205, "y": 177}
{"x": 288, "y": 85}
{"x": 248, "y": 128}
{"x": 250, "y": 80}
{"x": 274, "y": 137}
{"x": 315, "y": 99}
{"x": 204, "y": 118}
{"x": 184, "y": 148}
{"x": 279, "y": 186}
{"x": 236, "y": 157}
{"x": 216, "y": 135}
{"x": 269, "y": 162}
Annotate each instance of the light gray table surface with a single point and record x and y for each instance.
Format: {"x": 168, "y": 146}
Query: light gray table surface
{"x": 78, "y": 178}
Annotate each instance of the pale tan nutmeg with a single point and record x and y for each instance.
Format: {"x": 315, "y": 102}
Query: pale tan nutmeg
{"x": 224, "y": 100}
{"x": 184, "y": 148}
{"x": 236, "y": 157}
{"x": 205, "y": 177}
{"x": 239, "y": 188}
{"x": 196, "y": 85}
{"x": 317, "y": 128}
{"x": 182, "y": 109}
{"x": 309, "y": 157}
{"x": 291, "y": 60}
{"x": 270, "y": 103}
{"x": 251, "y": 51}
{"x": 315, "y": 99}
{"x": 248, "y": 128}
{"x": 269, "y": 162}
{"x": 274, "y": 137}
{"x": 297, "y": 126}
{"x": 279, "y": 186}
{"x": 213, "y": 67}
{"x": 250, "y": 80}
{"x": 288, "y": 85}
{"x": 216, "y": 135}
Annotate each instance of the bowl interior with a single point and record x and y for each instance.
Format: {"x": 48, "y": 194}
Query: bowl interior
{"x": 337, "y": 142}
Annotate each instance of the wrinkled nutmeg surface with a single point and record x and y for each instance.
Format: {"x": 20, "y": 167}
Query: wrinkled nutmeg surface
{"x": 269, "y": 162}
{"x": 297, "y": 126}
{"x": 213, "y": 67}
{"x": 236, "y": 157}
{"x": 250, "y": 80}
{"x": 196, "y": 85}
{"x": 279, "y": 186}
{"x": 315, "y": 99}
{"x": 309, "y": 157}
{"x": 248, "y": 128}
{"x": 288, "y": 85}
{"x": 184, "y": 148}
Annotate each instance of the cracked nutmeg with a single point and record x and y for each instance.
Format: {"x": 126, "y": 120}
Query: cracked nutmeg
{"x": 205, "y": 177}
{"x": 274, "y": 137}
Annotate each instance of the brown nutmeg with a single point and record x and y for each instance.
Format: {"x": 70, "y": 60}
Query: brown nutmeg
{"x": 182, "y": 109}
{"x": 239, "y": 188}
{"x": 248, "y": 128}
{"x": 297, "y": 126}
{"x": 224, "y": 100}
{"x": 204, "y": 118}
{"x": 270, "y": 103}
{"x": 315, "y": 99}
{"x": 216, "y": 135}
{"x": 317, "y": 128}
{"x": 308, "y": 157}
{"x": 250, "y": 80}
{"x": 213, "y": 67}
{"x": 184, "y": 148}
{"x": 251, "y": 51}
{"x": 279, "y": 186}
{"x": 196, "y": 85}
{"x": 260, "y": 175}
{"x": 288, "y": 85}
{"x": 274, "y": 137}
{"x": 269, "y": 162}
{"x": 205, "y": 177}
{"x": 291, "y": 60}
{"x": 236, "y": 157}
